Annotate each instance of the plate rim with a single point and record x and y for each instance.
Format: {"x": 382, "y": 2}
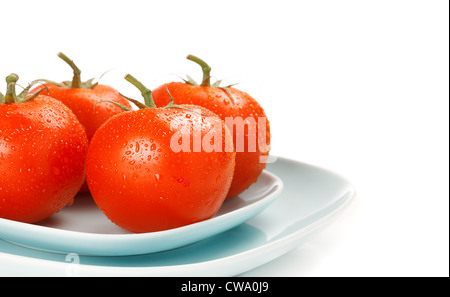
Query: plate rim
{"x": 256, "y": 207}
{"x": 287, "y": 242}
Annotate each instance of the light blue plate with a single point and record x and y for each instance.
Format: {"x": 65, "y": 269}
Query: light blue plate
{"x": 312, "y": 198}
{"x": 83, "y": 229}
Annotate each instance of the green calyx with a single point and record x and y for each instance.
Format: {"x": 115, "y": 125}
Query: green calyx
{"x": 76, "y": 82}
{"x": 147, "y": 94}
{"x": 206, "y": 69}
{"x": 11, "y": 96}
{"x": 206, "y": 81}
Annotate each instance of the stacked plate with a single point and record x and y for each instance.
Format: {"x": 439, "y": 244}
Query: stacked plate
{"x": 290, "y": 201}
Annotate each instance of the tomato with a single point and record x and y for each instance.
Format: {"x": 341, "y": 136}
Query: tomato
{"x": 244, "y": 116}
{"x": 82, "y": 101}
{"x": 147, "y": 173}
{"x": 81, "y": 97}
{"x": 43, "y": 149}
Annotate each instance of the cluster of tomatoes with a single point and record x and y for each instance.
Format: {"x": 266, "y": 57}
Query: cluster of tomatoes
{"x": 169, "y": 163}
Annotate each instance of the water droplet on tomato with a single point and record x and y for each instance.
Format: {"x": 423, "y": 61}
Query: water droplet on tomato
{"x": 153, "y": 147}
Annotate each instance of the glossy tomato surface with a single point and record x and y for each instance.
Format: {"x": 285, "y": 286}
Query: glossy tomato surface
{"x": 250, "y": 159}
{"x": 145, "y": 177}
{"x": 42, "y": 156}
{"x": 81, "y": 101}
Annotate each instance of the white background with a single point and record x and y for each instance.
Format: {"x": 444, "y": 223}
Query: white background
{"x": 359, "y": 87}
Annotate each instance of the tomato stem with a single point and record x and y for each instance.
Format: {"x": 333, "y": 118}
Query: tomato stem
{"x": 146, "y": 93}
{"x": 10, "y": 96}
{"x": 205, "y": 68}
{"x": 76, "y": 80}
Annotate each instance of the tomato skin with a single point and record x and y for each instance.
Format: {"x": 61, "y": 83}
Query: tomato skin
{"x": 249, "y": 165}
{"x": 42, "y": 155}
{"x": 81, "y": 102}
{"x": 143, "y": 185}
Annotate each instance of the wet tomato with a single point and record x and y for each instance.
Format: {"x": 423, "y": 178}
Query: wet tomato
{"x": 81, "y": 97}
{"x": 43, "y": 148}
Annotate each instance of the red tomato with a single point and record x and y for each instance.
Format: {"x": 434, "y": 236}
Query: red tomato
{"x": 81, "y": 97}
{"x": 246, "y": 120}
{"x": 42, "y": 155}
{"x": 82, "y": 101}
{"x": 146, "y": 172}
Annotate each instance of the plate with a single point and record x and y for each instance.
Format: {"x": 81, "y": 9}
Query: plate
{"x": 83, "y": 229}
{"x": 312, "y": 198}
